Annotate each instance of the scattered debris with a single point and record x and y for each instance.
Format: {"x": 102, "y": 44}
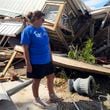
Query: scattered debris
{"x": 69, "y": 23}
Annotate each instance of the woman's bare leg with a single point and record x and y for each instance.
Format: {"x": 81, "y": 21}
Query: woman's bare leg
{"x": 50, "y": 84}
{"x": 50, "y": 81}
{"x": 35, "y": 87}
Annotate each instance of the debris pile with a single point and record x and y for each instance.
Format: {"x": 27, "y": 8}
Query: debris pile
{"x": 69, "y": 23}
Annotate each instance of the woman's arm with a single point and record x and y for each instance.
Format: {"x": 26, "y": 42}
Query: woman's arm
{"x": 50, "y": 53}
{"x": 27, "y": 58}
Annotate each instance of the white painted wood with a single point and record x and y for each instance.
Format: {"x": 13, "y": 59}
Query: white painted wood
{"x": 78, "y": 65}
{"x": 3, "y": 93}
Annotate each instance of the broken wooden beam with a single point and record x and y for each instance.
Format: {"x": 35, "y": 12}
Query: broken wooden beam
{"x": 16, "y": 49}
{"x": 78, "y": 65}
{"x": 4, "y": 79}
{"x": 101, "y": 49}
{"x": 68, "y": 63}
{"x": 8, "y": 65}
{"x": 2, "y": 64}
{"x": 19, "y": 87}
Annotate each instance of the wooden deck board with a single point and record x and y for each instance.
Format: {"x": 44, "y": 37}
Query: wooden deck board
{"x": 74, "y": 64}
{"x": 77, "y": 65}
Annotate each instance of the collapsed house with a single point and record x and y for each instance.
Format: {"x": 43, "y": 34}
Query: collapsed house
{"x": 68, "y": 23}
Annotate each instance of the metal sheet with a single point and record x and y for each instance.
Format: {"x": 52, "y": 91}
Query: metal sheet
{"x": 8, "y": 13}
{"x": 19, "y": 7}
{"x": 3, "y": 93}
{"x": 10, "y": 28}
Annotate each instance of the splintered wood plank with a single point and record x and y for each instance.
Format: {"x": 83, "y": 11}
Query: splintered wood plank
{"x": 9, "y": 63}
{"x": 74, "y": 64}
{"x": 4, "y": 78}
{"x": 60, "y": 35}
{"x": 78, "y": 65}
{"x": 2, "y": 64}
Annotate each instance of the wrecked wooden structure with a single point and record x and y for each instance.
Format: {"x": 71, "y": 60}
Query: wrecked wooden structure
{"x": 64, "y": 62}
{"x": 7, "y": 91}
{"x": 68, "y": 23}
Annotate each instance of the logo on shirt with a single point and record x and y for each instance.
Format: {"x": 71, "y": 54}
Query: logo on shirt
{"x": 37, "y": 34}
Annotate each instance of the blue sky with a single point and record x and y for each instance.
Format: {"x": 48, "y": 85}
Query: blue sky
{"x": 95, "y": 4}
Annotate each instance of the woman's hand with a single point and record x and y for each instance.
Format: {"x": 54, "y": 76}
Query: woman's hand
{"x": 29, "y": 68}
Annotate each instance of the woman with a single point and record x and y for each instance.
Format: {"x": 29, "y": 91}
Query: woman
{"x": 37, "y": 53}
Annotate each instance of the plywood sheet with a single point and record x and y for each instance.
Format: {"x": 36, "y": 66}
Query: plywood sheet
{"x": 78, "y": 65}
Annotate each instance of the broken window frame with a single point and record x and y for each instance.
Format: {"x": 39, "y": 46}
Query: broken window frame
{"x": 53, "y": 25}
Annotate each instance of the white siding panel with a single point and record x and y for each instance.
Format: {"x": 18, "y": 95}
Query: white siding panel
{"x": 21, "y": 7}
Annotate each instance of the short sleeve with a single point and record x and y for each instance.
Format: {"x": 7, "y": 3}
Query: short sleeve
{"x": 25, "y": 37}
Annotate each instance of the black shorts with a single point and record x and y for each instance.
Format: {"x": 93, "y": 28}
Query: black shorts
{"x": 41, "y": 70}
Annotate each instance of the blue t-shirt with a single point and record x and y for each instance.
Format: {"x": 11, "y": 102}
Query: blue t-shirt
{"x": 38, "y": 41}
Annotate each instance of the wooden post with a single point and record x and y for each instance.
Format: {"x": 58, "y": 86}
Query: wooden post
{"x": 60, "y": 35}
{"x": 1, "y": 41}
{"x": 9, "y": 63}
{"x": 16, "y": 49}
